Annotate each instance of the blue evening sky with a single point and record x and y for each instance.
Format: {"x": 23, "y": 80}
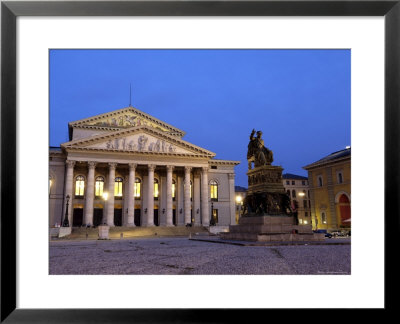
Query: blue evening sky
{"x": 300, "y": 99}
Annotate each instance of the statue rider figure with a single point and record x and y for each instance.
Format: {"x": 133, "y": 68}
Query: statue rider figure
{"x": 257, "y": 152}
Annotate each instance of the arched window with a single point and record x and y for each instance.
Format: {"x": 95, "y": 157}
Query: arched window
{"x": 99, "y": 186}
{"x": 173, "y": 189}
{"x": 214, "y": 190}
{"x": 137, "y": 189}
{"x": 79, "y": 186}
{"x": 156, "y": 189}
{"x": 320, "y": 182}
{"x": 340, "y": 177}
{"x": 118, "y": 187}
{"x": 288, "y": 192}
{"x": 293, "y": 193}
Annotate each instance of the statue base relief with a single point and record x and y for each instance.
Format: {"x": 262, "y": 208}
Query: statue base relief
{"x": 271, "y": 228}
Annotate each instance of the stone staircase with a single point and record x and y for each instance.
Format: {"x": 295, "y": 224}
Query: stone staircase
{"x": 118, "y": 232}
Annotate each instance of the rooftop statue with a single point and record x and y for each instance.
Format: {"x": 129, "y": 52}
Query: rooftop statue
{"x": 257, "y": 152}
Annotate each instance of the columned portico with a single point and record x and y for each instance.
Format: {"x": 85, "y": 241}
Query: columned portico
{"x": 111, "y": 163}
{"x": 110, "y": 201}
{"x": 169, "y": 196}
{"x": 131, "y": 200}
{"x": 68, "y": 189}
{"x": 205, "y": 215}
{"x": 150, "y": 195}
{"x": 186, "y": 198}
{"x": 90, "y": 194}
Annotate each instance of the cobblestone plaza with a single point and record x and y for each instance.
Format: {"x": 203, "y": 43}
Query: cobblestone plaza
{"x": 181, "y": 256}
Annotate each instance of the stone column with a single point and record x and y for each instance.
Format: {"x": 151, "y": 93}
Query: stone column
{"x": 90, "y": 194}
{"x": 110, "y": 201}
{"x": 196, "y": 197}
{"x": 150, "y": 196}
{"x": 205, "y": 210}
{"x": 169, "y": 196}
{"x": 131, "y": 198}
{"x": 186, "y": 197}
{"x": 69, "y": 190}
{"x": 232, "y": 201}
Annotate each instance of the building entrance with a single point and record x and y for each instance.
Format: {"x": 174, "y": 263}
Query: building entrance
{"x": 118, "y": 217}
{"x": 97, "y": 216}
{"x": 156, "y": 219}
{"x": 77, "y": 217}
{"x": 137, "y": 217}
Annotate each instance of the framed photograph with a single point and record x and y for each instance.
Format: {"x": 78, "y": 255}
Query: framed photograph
{"x": 40, "y": 37}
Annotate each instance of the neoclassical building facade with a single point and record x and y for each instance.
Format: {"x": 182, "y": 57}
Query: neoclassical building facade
{"x": 127, "y": 168}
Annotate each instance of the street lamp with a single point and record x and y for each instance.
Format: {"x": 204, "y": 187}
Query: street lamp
{"x": 66, "y": 222}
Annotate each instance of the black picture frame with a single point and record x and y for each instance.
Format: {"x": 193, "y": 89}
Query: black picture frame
{"x": 10, "y": 10}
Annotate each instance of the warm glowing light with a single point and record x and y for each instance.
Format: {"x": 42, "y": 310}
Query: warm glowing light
{"x": 301, "y": 194}
{"x": 213, "y": 189}
{"x": 156, "y": 191}
{"x": 105, "y": 195}
{"x": 79, "y": 186}
{"x": 99, "y": 187}
{"x": 305, "y": 222}
{"x": 238, "y": 199}
{"x": 173, "y": 190}
{"x": 118, "y": 187}
{"x": 137, "y": 190}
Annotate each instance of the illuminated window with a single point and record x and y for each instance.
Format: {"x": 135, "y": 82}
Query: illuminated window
{"x": 156, "y": 191}
{"x": 118, "y": 187}
{"x": 137, "y": 188}
{"x": 323, "y": 218}
{"x": 214, "y": 190}
{"x": 173, "y": 189}
{"x": 50, "y": 183}
{"x": 79, "y": 186}
{"x": 99, "y": 186}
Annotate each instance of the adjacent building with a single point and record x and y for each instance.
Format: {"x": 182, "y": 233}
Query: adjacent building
{"x": 330, "y": 191}
{"x": 127, "y": 168}
{"x": 297, "y": 188}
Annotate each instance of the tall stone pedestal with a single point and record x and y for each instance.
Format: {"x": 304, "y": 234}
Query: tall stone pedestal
{"x": 271, "y": 229}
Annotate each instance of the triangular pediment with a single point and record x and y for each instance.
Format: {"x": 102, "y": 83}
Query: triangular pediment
{"x": 126, "y": 118}
{"x": 139, "y": 139}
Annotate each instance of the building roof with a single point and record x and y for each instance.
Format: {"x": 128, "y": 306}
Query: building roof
{"x": 293, "y": 176}
{"x": 339, "y": 155}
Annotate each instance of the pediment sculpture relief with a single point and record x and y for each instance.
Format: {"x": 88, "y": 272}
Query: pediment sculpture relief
{"x": 142, "y": 143}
